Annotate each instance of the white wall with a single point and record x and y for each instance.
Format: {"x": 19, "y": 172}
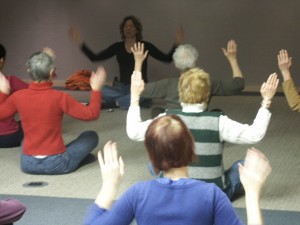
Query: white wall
{"x": 261, "y": 29}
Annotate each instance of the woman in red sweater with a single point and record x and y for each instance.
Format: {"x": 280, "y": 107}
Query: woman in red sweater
{"x": 11, "y": 132}
{"x": 41, "y": 109}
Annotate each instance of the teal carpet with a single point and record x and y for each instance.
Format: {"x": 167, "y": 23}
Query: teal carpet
{"x": 71, "y": 211}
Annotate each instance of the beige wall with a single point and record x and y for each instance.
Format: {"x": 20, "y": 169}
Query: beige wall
{"x": 260, "y": 27}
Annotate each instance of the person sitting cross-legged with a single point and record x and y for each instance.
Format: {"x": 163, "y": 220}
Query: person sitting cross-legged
{"x": 210, "y": 129}
{"x": 11, "y": 132}
{"x": 41, "y": 109}
{"x": 174, "y": 198}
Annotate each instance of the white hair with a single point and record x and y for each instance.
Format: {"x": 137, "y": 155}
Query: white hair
{"x": 185, "y": 57}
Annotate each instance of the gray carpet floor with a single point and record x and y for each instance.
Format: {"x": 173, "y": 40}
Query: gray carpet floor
{"x": 281, "y": 145}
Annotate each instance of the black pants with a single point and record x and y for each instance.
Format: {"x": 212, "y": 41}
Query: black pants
{"x": 12, "y": 140}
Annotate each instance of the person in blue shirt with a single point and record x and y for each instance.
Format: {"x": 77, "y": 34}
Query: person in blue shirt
{"x": 175, "y": 198}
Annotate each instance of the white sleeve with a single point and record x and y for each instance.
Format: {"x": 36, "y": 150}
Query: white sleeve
{"x": 135, "y": 127}
{"x": 238, "y": 133}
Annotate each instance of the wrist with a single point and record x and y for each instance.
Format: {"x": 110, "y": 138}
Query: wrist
{"x": 232, "y": 60}
{"x": 266, "y": 102}
{"x": 286, "y": 75}
{"x": 134, "y": 101}
{"x": 253, "y": 195}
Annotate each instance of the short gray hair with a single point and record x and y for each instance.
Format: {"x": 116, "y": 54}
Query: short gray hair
{"x": 185, "y": 57}
{"x": 39, "y": 66}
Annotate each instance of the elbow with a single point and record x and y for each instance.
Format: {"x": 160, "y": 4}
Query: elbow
{"x": 239, "y": 85}
{"x": 295, "y": 107}
{"x": 132, "y": 135}
{"x": 257, "y": 138}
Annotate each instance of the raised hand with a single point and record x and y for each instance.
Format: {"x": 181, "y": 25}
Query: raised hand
{"x": 75, "y": 36}
{"x": 4, "y": 84}
{"x": 253, "y": 175}
{"x": 50, "y": 52}
{"x": 112, "y": 170}
{"x": 268, "y": 88}
{"x": 179, "y": 35}
{"x": 255, "y": 171}
{"x": 137, "y": 87}
{"x": 231, "y": 50}
{"x": 97, "y": 79}
{"x": 111, "y": 166}
{"x": 139, "y": 55}
{"x": 284, "y": 63}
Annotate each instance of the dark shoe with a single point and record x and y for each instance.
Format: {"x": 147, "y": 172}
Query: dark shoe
{"x": 109, "y": 105}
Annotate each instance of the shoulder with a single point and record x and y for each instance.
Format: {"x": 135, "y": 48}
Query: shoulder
{"x": 12, "y": 78}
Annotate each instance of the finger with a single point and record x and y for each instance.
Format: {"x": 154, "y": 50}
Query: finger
{"x": 121, "y": 163}
{"x": 107, "y": 157}
{"x": 224, "y": 51}
{"x": 142, "y": 47}
{"x": 145, "y": 54}
{"x": 100, "y": 160}
{"x": 114, "y": 153}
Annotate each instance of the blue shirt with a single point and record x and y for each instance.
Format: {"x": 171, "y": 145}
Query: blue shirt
{"x": 168, "y": 202}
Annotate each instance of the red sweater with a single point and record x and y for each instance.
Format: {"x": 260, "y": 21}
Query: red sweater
{"x": 41, "y": 110}
{"x": 10, "y": 125}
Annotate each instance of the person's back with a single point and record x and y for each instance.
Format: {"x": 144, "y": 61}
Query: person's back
{"x": 170, "y": 202}
{"x": 44, "y": 114}
{"x": 205, "y": 129}
{"x": 41, "y": 110}
{"x": 174, "y": 199}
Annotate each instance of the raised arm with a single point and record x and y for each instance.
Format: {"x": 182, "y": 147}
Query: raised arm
{"x": 230, "y": 53}
{"x": 237, "y": 83}
{"x": 253, "y": 175}
{"x": 112, "y": 169}
{"x": 235, "y": 132}
{"x": 75, "y": 36}
{"x": 50, "y": 52}
{"x": 284, "y": 64}
{"x": 179, "y": 35}
{"x": 135, "y": 127}
{"x": 97, "y": 79}
{"x": 290, "y": 91}
{"x": 139, "y": 56}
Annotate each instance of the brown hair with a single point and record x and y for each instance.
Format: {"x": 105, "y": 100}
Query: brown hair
{"x": 194, "y": 86}
{"x": 138, "y": 26}
{"x": 169, "y": 143}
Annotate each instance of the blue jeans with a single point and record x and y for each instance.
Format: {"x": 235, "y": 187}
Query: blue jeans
{"x": 232, "y": 176}
{"x": 65, "y": 162}
{"x": 120, "y": 93}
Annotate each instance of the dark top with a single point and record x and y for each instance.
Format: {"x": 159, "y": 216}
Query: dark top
{"x": 126, "y": 59}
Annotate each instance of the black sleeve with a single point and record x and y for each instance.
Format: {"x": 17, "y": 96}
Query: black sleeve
{"x": 102, "y": 55}
{"x": 158, "y": 54}
{"x": 233, "y": 87}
